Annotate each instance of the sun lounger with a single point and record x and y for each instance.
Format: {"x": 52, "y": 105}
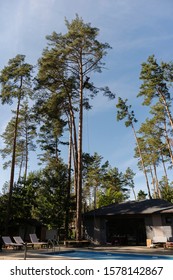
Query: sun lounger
{"x": 8, "y": 243}
{"x": 169, "y": 243}
{"x": 159, "y": 239}
{"x": 35, "y": 241}
{"x": 19, "y": 240}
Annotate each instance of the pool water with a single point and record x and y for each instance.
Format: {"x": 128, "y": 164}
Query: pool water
{"x": 107, "y": 255}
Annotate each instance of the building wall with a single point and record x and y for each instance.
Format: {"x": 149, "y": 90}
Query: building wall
{"x": 159, "y": 226}
{"x": 149, "y": 227}
{"x": 167, "y": 221}
{"x": 95, "y": 230}
{"x": 155, "y": 225}
{"x": 89, "y": 229}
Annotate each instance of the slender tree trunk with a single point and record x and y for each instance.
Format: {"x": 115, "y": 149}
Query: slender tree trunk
{"x": 13, "y": 164}
{"x": 20, "y": 168}
{"x": 168, "y": 141}
{"x": 142, "y": 162}
{"x": 134, "y": 193}
{"x": 79, "y": 179}
{"x": 74, "y": 146}
{"x": 69, "y": 182}
{"x": 153, "y": 182}
{"x": 167, "y": 108}
{"x": 26, "y": 151}
{"x": 164, "y": 167}
{"x": 157, "y": 183}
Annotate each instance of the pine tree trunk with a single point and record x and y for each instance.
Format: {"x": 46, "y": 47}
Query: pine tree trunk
{"x": 157, "y": 183}
{"x": 134, "y": 193}
{"x": 26, "y": 154}
{"x": 79, "y": 178}
{"x": 20, "y": 169}
{"x": 166, "y": 108}
{"x": 142, "y": 162}
{"x": 164, "y": 167}
{"x": 153, "y": 182}
{"x": 74, "y": 143}
{"x": 69, "y": 183}
{"x": 168, "y": 142}
{"x": 13, "y": 165}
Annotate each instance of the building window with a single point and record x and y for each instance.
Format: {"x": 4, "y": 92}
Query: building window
{"x": 168, "y": 220}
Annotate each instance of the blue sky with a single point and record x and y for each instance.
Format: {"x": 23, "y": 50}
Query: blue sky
{"x": 134, "y": 29}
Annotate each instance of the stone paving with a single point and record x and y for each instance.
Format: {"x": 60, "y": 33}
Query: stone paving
{"x": 38, "y": 254}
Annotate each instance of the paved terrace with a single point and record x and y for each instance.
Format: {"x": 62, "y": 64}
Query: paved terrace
{"x": 37, "y": 254}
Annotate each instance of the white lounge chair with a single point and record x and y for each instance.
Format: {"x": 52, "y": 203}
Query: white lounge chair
{"x": 8, "y": 243}
{"x": 35, "y": 241}
{"x": 159, "y": 241}
{"x": 19, "y": 240}
{"x": 169, "y": 243}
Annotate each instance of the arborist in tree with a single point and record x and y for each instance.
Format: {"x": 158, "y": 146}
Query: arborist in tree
{"x": 85, "y": 84}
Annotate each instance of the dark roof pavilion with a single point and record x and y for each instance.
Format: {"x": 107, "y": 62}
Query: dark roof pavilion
{"x": 147, "y": 206}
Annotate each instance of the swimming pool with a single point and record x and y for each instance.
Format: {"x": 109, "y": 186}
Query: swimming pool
{"x": 92, "y": 255}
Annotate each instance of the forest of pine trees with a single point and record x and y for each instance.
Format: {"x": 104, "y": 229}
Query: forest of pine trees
{"x": 49, "y": 102}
